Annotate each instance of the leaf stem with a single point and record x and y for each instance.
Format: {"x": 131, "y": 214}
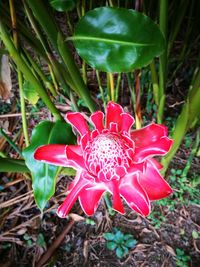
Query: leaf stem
{"x": 117, "y": 86}
{"x": 101, "y": 89}
{"x": 112, "y": 86}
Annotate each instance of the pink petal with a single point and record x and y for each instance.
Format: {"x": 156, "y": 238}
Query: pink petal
{"x": 78, "y": 121}
{"x": 153, "y": 183}
{"x": 160, "y": 147}
{"x": 136, "y": 167}
{"x": 113, "y": 188}
{"x": 52, "y": 154}
{"x": 113, "y": 114}
{"x": 134, "y": 195}
{"x": 74, "y": 154}
{"x": 97, "y": 120}
{"x": 84, "y": 140}
{"x": 155, "y": 163}
{"x": 71, "y": 198}
{"x": 127, "y": 122}
{"x": 148, "y": 135}
{"x": 89, "y": 199}
{"x": 113, "y": 127}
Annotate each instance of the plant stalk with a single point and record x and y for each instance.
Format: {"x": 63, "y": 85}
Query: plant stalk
{"x": 163, "y": 59}
{"x": 16, "y": 57}
{"x": 19, "y": 74}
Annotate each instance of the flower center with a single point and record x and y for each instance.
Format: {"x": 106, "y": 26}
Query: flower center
{"x": 107, "y": 153}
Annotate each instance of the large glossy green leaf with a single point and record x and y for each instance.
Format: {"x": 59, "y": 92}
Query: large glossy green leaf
{"x": 44, "y": 175}
{"x": 63, "y": 5}
{"x": 117, "y": 39}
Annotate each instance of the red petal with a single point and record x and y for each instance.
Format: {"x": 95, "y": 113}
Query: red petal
{"x": 74, "y": 154}
{"x": 97, "y": 120}
{"x": 113, "y": 114}
{"x": 113, "y": 188}
{"x": 114, "y": 127}
{"x": 134, "y": 195}
{"x": 153, "y": 183}
{"x": 160, "y": 147}
{"x": 148, "y": 135}
{"x": 89, "y": 199}
{"x": 136, "y": 167}
{"x": 155, "y": 163}
{"x": 71, "y": 198}
{"x": 84, "y": 140}
{"x": 52, "y": 154}
{"x": 78, "y": 121}
{"x": 127, "y": 122}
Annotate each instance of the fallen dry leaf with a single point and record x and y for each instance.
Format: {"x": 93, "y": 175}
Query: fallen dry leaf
{"x": 5, "y": 78}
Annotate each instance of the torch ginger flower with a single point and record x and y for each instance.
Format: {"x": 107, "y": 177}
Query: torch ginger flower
{"x": 111, "y": 158}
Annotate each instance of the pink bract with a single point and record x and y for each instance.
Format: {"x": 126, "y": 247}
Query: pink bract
{"x": 111, "y": 158}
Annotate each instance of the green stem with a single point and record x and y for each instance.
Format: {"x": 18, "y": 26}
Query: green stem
{"x": 22, "y": 30}
{"x": 101, "y": 89}
{"x": 109, "y": 204}
{"x": 14, "y": 54}
{"x": 19, "y": 74}
{"x": 23, "y": 108}
{"x": 11, "y": 143}
{"x": 44, "y": 17}
{"x": 74, "y": 72}
{"x": 39, "y": 72}
{"x": 177, "y": 20}
{"x": 51, "y": 58}
{"x": 69, "y": 23}
{"x": 154, "y": 78}
{"x": 112, "y": 87}
{"x": 192, "y": 154}
{"x": 163, "y": 58}
{"x": 119, "y": 77}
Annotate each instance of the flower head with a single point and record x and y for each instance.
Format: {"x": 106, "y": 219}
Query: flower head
{"x": 111, "y": 158}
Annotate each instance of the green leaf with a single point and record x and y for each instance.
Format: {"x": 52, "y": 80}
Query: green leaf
{"x": 117, "y": 39}
{"x": 40, "y": 240}
{"x": 111, "y": 245}
{"x": 109, "y": 236}
{"x": 119, "y": 252}
{"x": 30, "y": 93}
{"x": 127, "y": 236}
{"x": 130, "y": 243}
{"x": 195, "y": 234}
{"x": 63, "y": 5}
{"x": 13, "y": 165}
{"x": 44, "y": 175}
{"x": 119, "y": 237}
{"x": 125, "y": 249}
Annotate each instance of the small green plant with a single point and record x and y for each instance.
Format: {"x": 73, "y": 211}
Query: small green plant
{"x": 183, "y": 187}
{"x": 185, "y": 192}
{"x": 41, "y": 241}
{"x": 156, "y": 218}
{"x": 119, "y": 242}
{"x": 28, "y": 240}
{"x": 182, "y": 259}
{"x": 89, "y": 221}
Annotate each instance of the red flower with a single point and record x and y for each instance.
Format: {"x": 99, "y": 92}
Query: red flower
{"x": 111, "y": 158}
